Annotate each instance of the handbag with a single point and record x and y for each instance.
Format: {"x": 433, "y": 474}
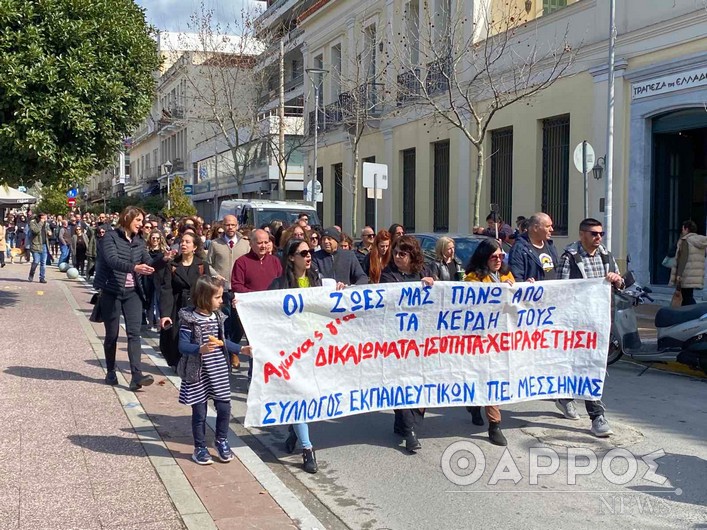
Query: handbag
{"x": 96, "y": 314}
{"x": 95, "y": 298}
{"x": 669, "y": 262}
{"x": 676, "y": 300}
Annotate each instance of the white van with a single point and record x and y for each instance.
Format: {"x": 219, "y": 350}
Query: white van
{"x": 260, "y": 212}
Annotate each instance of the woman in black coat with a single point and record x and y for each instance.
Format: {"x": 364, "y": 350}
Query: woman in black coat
{"x": 122, "y": 259}
{"x": 407, "y": 265}
{"x": 175, "y": 284}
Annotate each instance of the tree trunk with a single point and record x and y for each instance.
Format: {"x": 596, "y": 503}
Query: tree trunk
{"x": 479, "y": 181}
{"x": 354, "y": 192}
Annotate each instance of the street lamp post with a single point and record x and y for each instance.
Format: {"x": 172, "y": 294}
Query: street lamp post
{"x": 168, "y": 169}
{"x": 316, "y": 76}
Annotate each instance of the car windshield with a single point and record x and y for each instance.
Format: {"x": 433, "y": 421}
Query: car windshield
{"x": 288, "y": 217}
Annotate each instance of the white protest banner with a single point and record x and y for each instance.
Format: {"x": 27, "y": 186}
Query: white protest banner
{"x": 321, "y": 354}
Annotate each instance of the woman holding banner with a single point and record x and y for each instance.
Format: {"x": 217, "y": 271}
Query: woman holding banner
{"x": 486, "y": 265}
{"x": 408, "y": 265}
{"x": 298, "y": 273}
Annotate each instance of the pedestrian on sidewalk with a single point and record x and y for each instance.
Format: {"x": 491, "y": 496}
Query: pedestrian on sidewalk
{"x": 122, "y": 258}
{"x": 3, "y": 245}
{"x": 203, "y": 368}
{"x": 175, "y": 283}
{"x": 38, "y": 238}
{"x": 689, "y": 270}
{"x": 79, "y": 249}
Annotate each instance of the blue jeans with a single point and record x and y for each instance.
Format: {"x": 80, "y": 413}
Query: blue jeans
{"x": 198, "y": 421}
{"x": 10, "y": 239}
{"x": 64, "y": 253}
{"x": 40, "y": 258}
{"x": 302, "y": 432}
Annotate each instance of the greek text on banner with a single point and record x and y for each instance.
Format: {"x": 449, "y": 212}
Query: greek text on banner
{"x": 320, "y": 354}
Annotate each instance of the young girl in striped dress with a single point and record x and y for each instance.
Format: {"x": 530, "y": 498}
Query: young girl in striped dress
{"x": 206, "y": 353}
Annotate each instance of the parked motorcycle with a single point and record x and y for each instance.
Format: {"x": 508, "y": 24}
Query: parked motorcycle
{"x": 682, "y": 331}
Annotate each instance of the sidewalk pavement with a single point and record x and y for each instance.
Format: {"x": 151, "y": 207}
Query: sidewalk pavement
{"x": 76, "y": 453}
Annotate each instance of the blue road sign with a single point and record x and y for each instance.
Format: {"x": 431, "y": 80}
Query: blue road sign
{"x": 72, "y": 193}
{"x": 188, "y": 189}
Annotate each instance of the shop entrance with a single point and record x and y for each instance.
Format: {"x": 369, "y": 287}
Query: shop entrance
{"x": 679, "y": 182}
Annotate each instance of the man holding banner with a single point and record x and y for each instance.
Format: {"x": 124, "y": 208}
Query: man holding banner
{"x": 587, "y": 258}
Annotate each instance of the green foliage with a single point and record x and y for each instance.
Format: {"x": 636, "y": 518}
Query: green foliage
{"x": 181, "y": 203}
{"x": 153, "y": 204}
{"x": 53, "y": 201}
{"x": 77, "y": 77}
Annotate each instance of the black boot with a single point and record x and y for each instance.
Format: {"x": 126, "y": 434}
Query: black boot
{"x": 496, "y": 436}
{"x": 291, "y": 441}
{"x": 412, "y": 444}
{"x": 476, "y": 417}
{"x": 309, "y": 460}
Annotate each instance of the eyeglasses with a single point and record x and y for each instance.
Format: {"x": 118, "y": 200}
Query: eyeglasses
{"x": 155, "y": 238}
{"x": 368, "y": 235}
{"x": 401, "y": 254}
{"x": 147, "y": 227}
{"x": 304, "y": 253}
{"x": 595, "y": 234}
{"x": 500, "y": 256}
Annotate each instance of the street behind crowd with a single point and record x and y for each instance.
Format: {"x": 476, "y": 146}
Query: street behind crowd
{"x": 77, "y": 454}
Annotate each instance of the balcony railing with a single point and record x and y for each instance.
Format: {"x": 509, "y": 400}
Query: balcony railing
{"x": 438, "y": 73}
{"x": 409, "y": 86}
{"x": 361, "y": 103}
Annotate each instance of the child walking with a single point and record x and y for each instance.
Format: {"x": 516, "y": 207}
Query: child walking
{"x": 204, "y": 367}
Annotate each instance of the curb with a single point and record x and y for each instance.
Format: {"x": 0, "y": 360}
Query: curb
{"x": 195, "y": 515}
{"x": 185, "y": 500}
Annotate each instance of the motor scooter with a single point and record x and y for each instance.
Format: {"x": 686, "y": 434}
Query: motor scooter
{"x": 682, "y": 331}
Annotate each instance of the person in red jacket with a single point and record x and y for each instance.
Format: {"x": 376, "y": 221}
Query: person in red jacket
{"x": 256, "y": 270}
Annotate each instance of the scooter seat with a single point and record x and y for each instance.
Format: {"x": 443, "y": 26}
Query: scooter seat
{"x": 672, "y": 316}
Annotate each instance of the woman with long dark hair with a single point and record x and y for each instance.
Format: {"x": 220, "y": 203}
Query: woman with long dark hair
{"x": 175, "y": 285}
{"x": 486, "y": 265}
{"x": 122, "y": 259}
{"x": 408, "y": 265}
{"x": 379, "y": 256}
{"x": 298, "y": 273}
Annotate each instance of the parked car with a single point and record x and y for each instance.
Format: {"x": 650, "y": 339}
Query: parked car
{"x": 464, "y": 245}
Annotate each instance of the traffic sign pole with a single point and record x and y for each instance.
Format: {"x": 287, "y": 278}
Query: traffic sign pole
{"x": 584, "y": 174}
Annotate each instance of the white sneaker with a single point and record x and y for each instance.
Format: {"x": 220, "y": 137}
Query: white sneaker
{"x": 568, "y": 409}
{"x": 600, "y": 427}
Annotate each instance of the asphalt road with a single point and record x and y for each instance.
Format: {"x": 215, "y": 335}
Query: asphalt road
{"x": 367, "y": 480}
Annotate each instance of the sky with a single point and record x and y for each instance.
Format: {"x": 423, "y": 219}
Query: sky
{"x": 173, "y": 15}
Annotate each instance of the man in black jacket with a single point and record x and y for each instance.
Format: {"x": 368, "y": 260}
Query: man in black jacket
{"x": 340, "y": 265}
{"x": 534, "y": 255}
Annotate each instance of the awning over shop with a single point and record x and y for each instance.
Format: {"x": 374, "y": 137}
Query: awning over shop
{"x": 12, "y": 197}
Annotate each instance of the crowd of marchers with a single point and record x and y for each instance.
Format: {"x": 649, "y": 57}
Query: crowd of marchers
{"x": 181, "y": 278}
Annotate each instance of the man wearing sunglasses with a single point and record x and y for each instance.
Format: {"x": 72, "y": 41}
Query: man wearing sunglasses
{"x": 364, "y": 247}
{"x": 587, "y": 258}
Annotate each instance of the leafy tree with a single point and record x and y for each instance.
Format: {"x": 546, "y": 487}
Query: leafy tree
{"x": 77, "y": 78}
{"x": 53, "y": 201}
{"x": 153, "y": 204}
{"x": 181, "y": 204}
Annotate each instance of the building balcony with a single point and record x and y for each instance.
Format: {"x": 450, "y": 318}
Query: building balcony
{"x": 438, "y": 73}
{"x": 293, "y": 88}
{"x": 409, "y": 86}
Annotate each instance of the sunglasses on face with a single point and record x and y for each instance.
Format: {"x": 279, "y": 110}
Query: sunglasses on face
{"x": 401, "y": 254}
{"x": 314, "y": 238}
{"x": 303, "y": 253}
{"x": 220, "y": 232}
{"x": 595, "y": 234}
{"x": 368, "y": 235}
{"x": 498, "y": 256}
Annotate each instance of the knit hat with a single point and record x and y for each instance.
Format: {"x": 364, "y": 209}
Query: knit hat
{"x": 332, "y": 233}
